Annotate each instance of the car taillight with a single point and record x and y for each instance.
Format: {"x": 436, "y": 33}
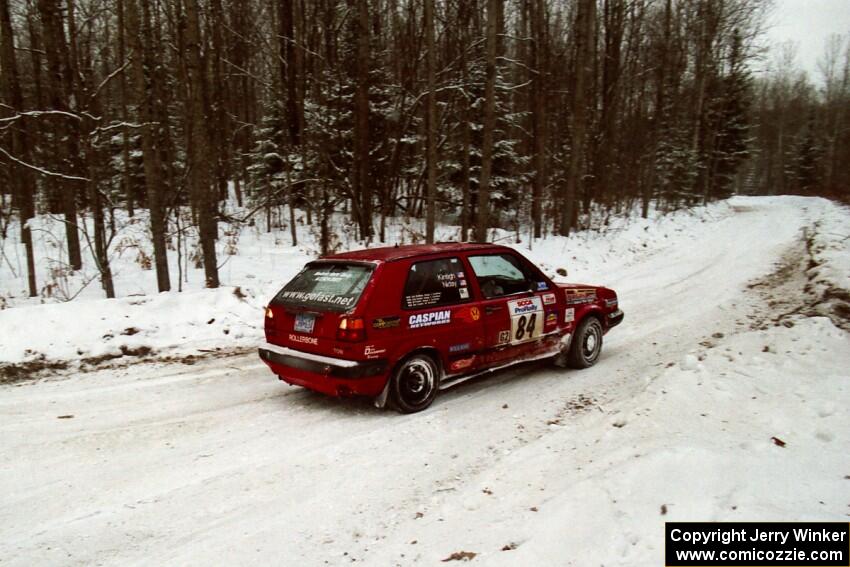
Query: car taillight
{"x": 351, "y": 329}
{"x": 269, "y": 313}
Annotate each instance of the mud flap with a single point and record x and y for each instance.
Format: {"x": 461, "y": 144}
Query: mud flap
{"x": 381, "y": 400}
{"x": 563, "y": 350}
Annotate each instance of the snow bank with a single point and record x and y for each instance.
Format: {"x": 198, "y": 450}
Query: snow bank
{"x": 163, "y": 324}
{"x": 828, "y": 244}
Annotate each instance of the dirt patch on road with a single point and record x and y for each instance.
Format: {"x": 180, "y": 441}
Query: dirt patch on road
{"x": 794, "y": 290}
{"x": 41, "y": 368}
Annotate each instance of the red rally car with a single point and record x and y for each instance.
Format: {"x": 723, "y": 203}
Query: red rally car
{"x": 400, "y": 323}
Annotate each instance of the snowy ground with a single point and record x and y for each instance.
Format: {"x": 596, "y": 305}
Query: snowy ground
{"x": 722, "y": 396}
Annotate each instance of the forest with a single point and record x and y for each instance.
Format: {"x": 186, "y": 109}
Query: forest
{"x": 520, "y": 114}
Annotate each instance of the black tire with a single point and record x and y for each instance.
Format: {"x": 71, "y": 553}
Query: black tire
{"x": 586, "y": 344}
{"x": 415, "y": 383}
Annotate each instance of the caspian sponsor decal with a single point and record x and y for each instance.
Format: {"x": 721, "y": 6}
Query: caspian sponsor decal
{"x": 386, "y": 322}
{"x": 549, "y": 298}
{"x": 303, "y": 339}
{"x": 430, "y": 319}
{"x": 372, "y": 352}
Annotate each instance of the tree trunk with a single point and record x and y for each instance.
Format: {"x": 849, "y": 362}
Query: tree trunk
{"x": 21, "y": 179}
{"x": 584, "y": 69}
{"x": 538, "y": 114}
{"x": 489, "y": 123}
{"x": 150, "y": 154}
{"x": 466, "y": 130}
{"x": 59, "y": 79}
{"x": 360, "y": 183}
{"x": 125, "y": 131}
{"x": 431, "y": 121}
{"x": 199, "y": 151}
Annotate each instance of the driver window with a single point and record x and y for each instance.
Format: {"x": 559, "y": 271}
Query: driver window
{"x": 499, "y": 275}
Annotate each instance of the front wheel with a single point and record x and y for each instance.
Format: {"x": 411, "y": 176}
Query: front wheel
{"x": 415, "y": 383}
{"x": 586, "y": 344}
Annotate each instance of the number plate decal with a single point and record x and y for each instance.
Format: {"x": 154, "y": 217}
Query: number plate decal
{"x": 526, "y": 319}
{"x": 304, "y": 322}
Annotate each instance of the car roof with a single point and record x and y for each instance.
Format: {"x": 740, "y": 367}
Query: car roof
{"x": 392, "y": 253}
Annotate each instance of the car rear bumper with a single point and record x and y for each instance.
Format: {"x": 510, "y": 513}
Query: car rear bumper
{"x": 615, "y": 318}
{"x": 331, "y": 376}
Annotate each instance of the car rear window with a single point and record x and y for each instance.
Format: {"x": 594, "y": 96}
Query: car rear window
{"x": 326, "y": 286}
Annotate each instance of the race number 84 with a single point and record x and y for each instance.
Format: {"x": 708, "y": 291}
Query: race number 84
{"x": 524, "y": 327}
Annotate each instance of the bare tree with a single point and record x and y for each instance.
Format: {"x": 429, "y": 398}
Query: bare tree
{"x": 585, "y": 24}
{"x": 493, "y": 11}
{"x": 431, "y": 121}
{"x": 21, "y": 180}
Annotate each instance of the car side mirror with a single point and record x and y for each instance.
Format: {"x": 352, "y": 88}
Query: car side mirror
{"x": 561, "y": 272}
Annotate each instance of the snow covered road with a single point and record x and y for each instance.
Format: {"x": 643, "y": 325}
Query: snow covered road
{"x": 219, "y": 463}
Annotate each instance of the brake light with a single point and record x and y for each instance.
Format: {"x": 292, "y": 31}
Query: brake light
{"x": 351, "y": 329}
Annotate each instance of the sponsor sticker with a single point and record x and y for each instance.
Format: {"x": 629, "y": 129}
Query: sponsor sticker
{"x": 504, "y": 336}
{"x": 580, "y": 296}
{"x": 541, "y": 286}
{"x": 463, "y": 292}
{"x": 318, "y": 297}
{"x": 302, "y": 339}
{"x": 386, "y": 322}
{"x": 332, "y": 276}
{"x": 462, "y": 363}
{"x": 551, "y": 319}
{"x": 459, "y": 348}
{"x": 372, "y": 352}
{"x": 569, "y": 315}
{"x": 549, "y": 298}
{"x": 475, "y": 313}
{"x": 430, "y": 319}
{"x": 525, "y": 305}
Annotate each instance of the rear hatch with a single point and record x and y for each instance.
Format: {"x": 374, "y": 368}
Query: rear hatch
{"x": 305, "y": 314}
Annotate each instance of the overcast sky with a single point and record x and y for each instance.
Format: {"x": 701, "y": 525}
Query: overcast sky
{"x": 808, "y": 23}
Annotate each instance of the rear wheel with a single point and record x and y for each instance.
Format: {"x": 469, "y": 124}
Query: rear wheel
{"x": 415, "y": 383}
{"x": 586, "y": 344}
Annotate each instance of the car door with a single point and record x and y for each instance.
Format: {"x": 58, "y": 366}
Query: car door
{"x": 439, "y": 311}
{"x": 512, "y": 304}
